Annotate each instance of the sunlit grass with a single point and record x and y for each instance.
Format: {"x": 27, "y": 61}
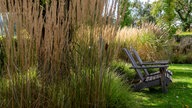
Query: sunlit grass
{"x": 179, "y": 94}
{"x": 185, "y": 34}
{"x": 149, "y": 41}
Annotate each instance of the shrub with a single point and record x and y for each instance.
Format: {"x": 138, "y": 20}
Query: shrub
{"x": 123, "y": 70}
{"x": 119, "y": 95}
{"x": 181, "y": 50}
{"x": 181, "y": 58}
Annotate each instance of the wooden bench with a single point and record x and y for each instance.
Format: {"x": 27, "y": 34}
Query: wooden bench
{"x": 161, "y": 78}
{"x": 143, "y": 64}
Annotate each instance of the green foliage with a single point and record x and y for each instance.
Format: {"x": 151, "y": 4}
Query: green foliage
{"x": 125, "y": 13}
{"x": 135, "y": 13}
{"x": 164, "y": 11}
{"x": 183, "y": 10}
{"x": 121, "y": 68}
{"x": 120, "y": 96}
{"x": 170, "y": 11}
{"x": 141, "y": 12}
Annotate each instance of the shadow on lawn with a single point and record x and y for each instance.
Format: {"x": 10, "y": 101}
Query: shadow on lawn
{"x": 174, "y": 86}
{"x": 178, "y": 96}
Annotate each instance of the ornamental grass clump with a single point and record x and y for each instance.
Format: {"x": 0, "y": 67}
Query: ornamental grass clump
{"x": 149, "y": 40}
{"x": 57, "y": 53}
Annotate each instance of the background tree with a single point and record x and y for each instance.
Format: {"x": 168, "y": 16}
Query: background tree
{"x": 168, "y": 12}
{"x": 125, "y": 13}
{"x": 184, "y": 13}
{"x": 164, "y": 12}
{"x": 141, "y": 12}
{"x": 135, "y": 12}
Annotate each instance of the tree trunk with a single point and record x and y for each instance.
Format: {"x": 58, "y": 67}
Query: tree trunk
{"x": 186, "y": 26}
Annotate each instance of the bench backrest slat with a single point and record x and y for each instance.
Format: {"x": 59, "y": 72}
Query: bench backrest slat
{"x": 139, "y": 60}
{"x": 134, "y": 64}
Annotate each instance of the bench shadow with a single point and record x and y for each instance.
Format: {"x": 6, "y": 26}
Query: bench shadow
{"x": 172, "y": 87}
{"x": 181, "y": 89}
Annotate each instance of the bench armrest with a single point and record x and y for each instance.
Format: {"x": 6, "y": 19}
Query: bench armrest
{"x": 164, "y": 62}
{"x": 146, "y": 67}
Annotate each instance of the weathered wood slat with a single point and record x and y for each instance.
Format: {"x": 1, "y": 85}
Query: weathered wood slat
{"x": 146, "y": 67}
{"x": 154, "y": 63}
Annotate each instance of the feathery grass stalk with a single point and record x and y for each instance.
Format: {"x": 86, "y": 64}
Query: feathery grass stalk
{"x": 149, "y": 40}
{"x": 60, "y": 54}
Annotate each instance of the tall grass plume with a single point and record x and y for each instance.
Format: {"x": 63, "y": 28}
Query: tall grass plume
{"x": 57, "y": 53}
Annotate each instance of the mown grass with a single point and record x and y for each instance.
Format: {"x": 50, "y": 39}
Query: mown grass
{"x": 179, "y": 94}
{"x": 185, "y": 34}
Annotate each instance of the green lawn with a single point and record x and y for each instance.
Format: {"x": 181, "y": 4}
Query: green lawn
{"x": 179, "y": 94}
{"x": 184, "y": 34}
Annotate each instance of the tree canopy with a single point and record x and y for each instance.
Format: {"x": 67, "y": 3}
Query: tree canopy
{"x": 169, "y": 11}
{"x": 141, "y": 12}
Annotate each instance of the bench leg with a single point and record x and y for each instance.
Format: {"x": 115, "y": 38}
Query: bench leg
{"x": 164, "y": 87}
{"x": 163, "y": 80}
